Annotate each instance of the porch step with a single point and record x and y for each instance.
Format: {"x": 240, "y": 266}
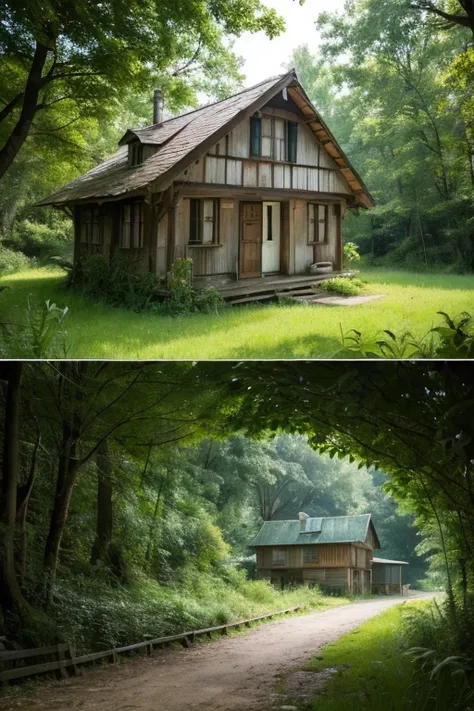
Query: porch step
{"x": 265, "y": 288}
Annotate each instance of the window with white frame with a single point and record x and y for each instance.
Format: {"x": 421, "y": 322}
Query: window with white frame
{"x": 317, "y": 223}
{"x": 310, "y": 554}
{"x": 279, "y": 556}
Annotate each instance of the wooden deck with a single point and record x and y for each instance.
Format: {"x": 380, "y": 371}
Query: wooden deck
{"x": 264, "y": 288}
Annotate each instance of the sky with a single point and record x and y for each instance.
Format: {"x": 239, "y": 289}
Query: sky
{"x": 264, "y": 57}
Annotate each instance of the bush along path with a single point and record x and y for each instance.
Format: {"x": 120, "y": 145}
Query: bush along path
{"x": 234, "y": 673}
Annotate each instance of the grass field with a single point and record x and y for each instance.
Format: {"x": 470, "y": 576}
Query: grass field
{"x": 377, "y": 677}
{"x": 266, "y": 331}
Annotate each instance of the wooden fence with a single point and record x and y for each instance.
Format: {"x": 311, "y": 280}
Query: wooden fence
{"x": 61, "y": 658}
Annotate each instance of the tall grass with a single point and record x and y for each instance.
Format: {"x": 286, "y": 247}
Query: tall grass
{"x": 272, "y": 331}
{"x": 93, "y": 615}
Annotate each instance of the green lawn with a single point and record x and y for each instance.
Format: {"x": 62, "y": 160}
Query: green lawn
{"x": 266, "y": 331}
{"x": 377, "y": 676}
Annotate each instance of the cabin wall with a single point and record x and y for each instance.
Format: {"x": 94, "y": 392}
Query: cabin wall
{"x": 228, "y": 162}
{"x": 330, "y": 555}
{"x": 107, "y": 239}
{"x": 209, "y": 259}
{"x": 305, "y": 254}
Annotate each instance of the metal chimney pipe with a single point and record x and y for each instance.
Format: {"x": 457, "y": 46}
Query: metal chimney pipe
{"x": 158, "y": 102}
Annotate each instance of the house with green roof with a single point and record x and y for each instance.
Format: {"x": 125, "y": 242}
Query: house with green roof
{"x": 334, "y": 552}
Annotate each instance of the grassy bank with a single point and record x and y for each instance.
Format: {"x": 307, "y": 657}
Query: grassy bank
{"x": 375, "y": 674}
{"x": 267, "y": 331}
{"x": 93, "y": 616}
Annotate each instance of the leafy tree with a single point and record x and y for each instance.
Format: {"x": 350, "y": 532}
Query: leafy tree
{"x": 84, "y": 56}
{"x": 397, "y": 95}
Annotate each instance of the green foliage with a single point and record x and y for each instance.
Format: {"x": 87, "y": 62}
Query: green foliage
{"x": 209, "y": 300}
{"x": 43, "y": 240}
{"x": 120, "y": 282}
{"x": 182, "y": 298}
{"x": 455, "y": 339}
{"x": 94, "y": 616}
{"x": 12, "y": 261}
{"x": 179, "y": 283}
{"x": 39, "y": 334}
{"x": 443, "y": 676}
{"x": 396, "y": 90}
{"x": 351, "y": 254}
{"x": 43, "y": 329}
{"x": 342, "y": 285}
{"x": 117, "y": 282}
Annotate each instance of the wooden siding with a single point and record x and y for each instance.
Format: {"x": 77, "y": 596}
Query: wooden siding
{"x": 211, "y": 259}
{"x": 304, "y": 253}
{"x": 110, "y": 215}
{"x": 334, "y": 555}
{"x": 229, "y": 163}
{"x": 328, "y": 577}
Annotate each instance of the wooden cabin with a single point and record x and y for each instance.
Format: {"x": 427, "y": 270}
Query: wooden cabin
{"x": 252, "y": 186}
{"x": 334, "y": 552}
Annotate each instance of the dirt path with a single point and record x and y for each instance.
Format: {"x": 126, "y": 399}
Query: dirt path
{"x": 231, "y": 674}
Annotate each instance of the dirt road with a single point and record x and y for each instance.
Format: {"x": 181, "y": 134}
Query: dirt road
{"x": 231, "y": 674}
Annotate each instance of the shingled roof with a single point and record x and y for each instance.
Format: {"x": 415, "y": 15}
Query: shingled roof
{"x": 327, "y": 529}
{"x": 183, "y": 139}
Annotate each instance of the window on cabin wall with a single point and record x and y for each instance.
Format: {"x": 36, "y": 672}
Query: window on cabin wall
{"x": 317, "y": 223}
{"x": 91, "y": 225}
{"x": 203, "y": 221}
{"x": 310, "y": 554}
{"x": 279, "y": 556}
{"x": 131, "y": 226}
{"x": 273, "y": 138}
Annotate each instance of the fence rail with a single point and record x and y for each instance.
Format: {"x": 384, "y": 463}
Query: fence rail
{"x": 66, "y": 659}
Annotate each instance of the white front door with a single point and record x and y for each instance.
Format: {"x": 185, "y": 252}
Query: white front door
{"x": 271, "y": 238}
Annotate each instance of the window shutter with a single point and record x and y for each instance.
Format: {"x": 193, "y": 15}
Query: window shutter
{"x": 267, "y": 138}
{"x": 126, "y": 227}
{"x": 208, "y": 222}
{"x": 311, "y": 222}
{"x": 292, "y": 130}
{"x": 322, "y": 222}
{"x": 255, "y": 135}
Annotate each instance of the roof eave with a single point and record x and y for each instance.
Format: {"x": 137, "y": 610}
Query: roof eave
{"x": 363, "y": 195}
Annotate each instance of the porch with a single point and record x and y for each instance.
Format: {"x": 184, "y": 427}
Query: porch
{"x": 267, "y": 287}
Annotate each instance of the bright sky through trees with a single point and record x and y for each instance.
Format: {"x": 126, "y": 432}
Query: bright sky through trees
{"x": 265, "y": 57}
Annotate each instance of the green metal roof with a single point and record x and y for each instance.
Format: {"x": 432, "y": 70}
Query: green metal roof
{"x": 330, "y": 529}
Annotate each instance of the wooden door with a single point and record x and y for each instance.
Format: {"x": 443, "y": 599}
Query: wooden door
{"x": 251, "y": 240}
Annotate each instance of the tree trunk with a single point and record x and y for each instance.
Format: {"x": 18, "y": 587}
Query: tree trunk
{"x": 22, "y": 128}
{"x": 23, "y": 499}
{"x": 103, "y": 539}
{"x": 68, "y": 469}
{"x": 10, "y": 593}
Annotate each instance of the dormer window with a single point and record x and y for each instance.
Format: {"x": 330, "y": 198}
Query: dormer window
{"x": 135, "y": 153}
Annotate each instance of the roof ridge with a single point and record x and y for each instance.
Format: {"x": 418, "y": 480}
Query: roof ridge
{"x": 293, "y": 520}
{"x": 214, "y": 103}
